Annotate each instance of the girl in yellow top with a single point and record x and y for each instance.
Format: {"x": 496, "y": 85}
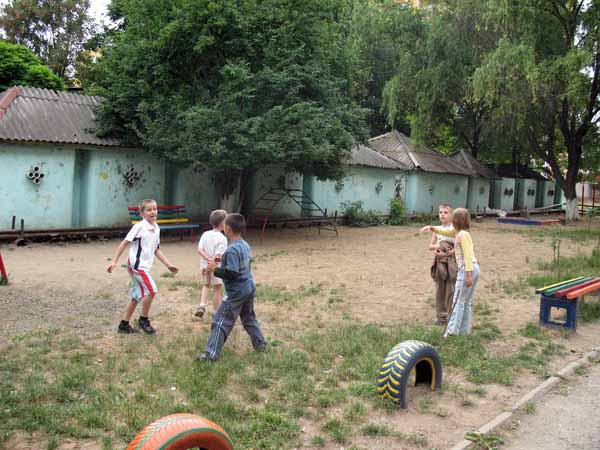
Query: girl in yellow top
{"x": 468, "y": 271}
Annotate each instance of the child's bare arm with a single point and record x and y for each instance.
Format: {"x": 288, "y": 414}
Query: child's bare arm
{"x": 205, "y": 255}
{"x": 163, "y": 259}
{"x": 433, "y": 244}
{"x": 120, "y": 249}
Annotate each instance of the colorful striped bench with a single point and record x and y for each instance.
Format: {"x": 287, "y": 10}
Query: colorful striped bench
{"x": 565, "y": 295}
{"x": 170, "y": 217}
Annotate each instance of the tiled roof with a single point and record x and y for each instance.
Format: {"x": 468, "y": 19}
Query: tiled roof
{"x": 400, "y": 148}
{"x": 43, "y": 115}
{"x": 480, "y": 169}
{"x": 365, "y": 156}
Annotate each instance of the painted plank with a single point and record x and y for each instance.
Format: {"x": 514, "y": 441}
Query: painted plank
{"x": 538, "y": 290}
{"x": 159, "y": 221}
{"x": 530, "y": 222}
{"x": 586, "y": 290}
{"x": 560, "y": 291}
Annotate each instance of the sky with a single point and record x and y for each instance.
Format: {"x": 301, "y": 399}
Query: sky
{"x": 97, "y": 8}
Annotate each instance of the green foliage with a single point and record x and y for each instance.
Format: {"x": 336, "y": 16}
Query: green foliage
{"x": 20, "y": 67}
{"x": 232, "y": 85}
{"x": 357, "y": 216}
{"x": 54, "y": 30}
{"x": 484, "y": 441}
{"x": 397, "y": 212}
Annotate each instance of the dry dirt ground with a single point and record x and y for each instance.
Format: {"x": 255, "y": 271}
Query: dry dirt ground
{"x": 381, "y": 272}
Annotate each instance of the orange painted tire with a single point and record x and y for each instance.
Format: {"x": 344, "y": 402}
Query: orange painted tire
{"x": 181, "y": 432}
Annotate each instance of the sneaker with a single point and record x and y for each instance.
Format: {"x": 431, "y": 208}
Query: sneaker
{"x": 261, "y": 348}
{"x": 126, "y": 328}
{"x": 203, "y": 357}
{"x": 200, "y": 311}
{"x": 145, "y": 326}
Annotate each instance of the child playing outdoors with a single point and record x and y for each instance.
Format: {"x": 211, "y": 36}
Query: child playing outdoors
{"x": 239, "y": 288}
{"x": 211, "y": 247}
{"x": 443, "y": 269}
{"x": 468, "y": 271}
{"x": 143, "y": 241}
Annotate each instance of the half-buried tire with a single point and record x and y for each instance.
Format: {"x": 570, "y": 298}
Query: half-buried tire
{"x": 395, "y": 372}
{"x": 181, "y": 432}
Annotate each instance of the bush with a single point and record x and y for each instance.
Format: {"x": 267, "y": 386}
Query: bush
{"x": 357, "y": 216}
{"x": 397, "y": 212}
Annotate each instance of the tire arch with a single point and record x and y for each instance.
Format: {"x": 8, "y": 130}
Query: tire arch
{"x": 394, "y": 374}
{"x": 181, "y": 432}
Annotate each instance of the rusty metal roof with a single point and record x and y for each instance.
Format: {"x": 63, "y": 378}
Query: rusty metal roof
{"x": 365, "y": 156}
{"x": 44, "y": 115}
{"x": 400, "y": 148}
{"x": 480, "y": 169}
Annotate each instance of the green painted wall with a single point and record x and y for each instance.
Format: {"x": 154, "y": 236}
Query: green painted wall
{"x": 373, "y": 186}
{"x": 47, "y": 205}
{"x": 526, "y": 193}
{"x": 545, "y": 193}
{"x": 270, "y": 178}
{"x": 425, "y": 191}
{"x": 478, "y": 196}
{"x": 503, "y": 194}
{"x": 195, "y": 190}
{"x": 105, "y": 192}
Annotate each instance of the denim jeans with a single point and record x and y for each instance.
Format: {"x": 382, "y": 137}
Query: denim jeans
{"x": 460, "y": 320}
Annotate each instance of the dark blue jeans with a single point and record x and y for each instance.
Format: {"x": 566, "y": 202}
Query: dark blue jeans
{"x": 224, "y": 320}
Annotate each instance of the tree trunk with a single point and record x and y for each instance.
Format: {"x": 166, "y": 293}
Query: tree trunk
{"x": 572, "y": 209}
{"x": 229, "y": 186}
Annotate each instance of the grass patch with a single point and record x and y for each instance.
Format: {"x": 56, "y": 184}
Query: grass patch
{"x": 557, "y": 232}
{"x": 64, "y": 386}
{"x": 283, "y": 295}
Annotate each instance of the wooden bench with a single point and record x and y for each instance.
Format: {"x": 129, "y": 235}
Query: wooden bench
{"x": 565, "y": 295}
{"x": 170, "y": 217}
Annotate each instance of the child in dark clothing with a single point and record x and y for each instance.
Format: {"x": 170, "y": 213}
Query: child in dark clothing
{"x": 239, "y": 289}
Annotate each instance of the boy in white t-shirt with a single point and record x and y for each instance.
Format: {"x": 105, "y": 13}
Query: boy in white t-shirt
{"x": 143, "y": 241}
{"x": 211, "y": 247}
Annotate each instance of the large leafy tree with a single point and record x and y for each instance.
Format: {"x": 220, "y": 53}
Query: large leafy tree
{"x": 543, "y": 80}
{"x": 20, "y": 67}
{"x": 232, "y": 85}
{"x": 432, "y": 84}
{"x": 55, "y": 30}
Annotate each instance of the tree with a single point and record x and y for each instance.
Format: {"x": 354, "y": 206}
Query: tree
{"x": 231, "y": 86}
{"x": 432, "y": 85}
{"x": 20, "y": 67}
{"x": 55, "y": 30}
{"x": 544, "y": 78}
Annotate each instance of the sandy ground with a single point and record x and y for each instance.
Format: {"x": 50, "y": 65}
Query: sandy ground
{"x": 381, "y": 273}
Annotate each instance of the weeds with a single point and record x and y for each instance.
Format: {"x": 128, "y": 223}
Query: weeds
{"x": 484, "y": 441}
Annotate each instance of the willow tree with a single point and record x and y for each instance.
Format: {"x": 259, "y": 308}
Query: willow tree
{"x": 543, "y": 79}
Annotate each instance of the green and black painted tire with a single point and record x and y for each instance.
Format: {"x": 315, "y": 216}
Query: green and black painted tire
{"x": 395, "y": 372}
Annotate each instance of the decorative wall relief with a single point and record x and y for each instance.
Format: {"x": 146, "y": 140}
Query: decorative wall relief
{"x": 378, "y": 187}
{"x": 481, "y": 190}
{"x": 508, "y": 192}
{"x": 530, "y": 192}
{"x": 131, "y": 177}
{"x": 431, "y": 189}
{"x": 456, "y": 189}
{"x": 550, "y": 193}
{"x": 35, "y": 174}
{"x": 338, "y": 186}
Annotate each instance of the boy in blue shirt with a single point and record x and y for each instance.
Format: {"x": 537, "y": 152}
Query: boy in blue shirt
{"x": 239, "y": 288}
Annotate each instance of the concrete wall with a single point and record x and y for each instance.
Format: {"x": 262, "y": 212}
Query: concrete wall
{"x": 195, "y": 190}
{"x": 272, "y": 178}
{"x": 503, "y": 194}
{"x": 545, "y": 193}
{"x": 47, "y": 205}
{"x": 478, "y": 196}
{"x": 425, "y": 191}
{"x": 526, "y": 189}
{"x": 105, "y": 193}
{"x": 87, "y": 186}
{"x": 373, "y": 186}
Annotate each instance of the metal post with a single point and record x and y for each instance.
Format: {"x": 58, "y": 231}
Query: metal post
{"x": 3, "y": 275}
{"x": 582, "y": 197}
{"x": 14, "y": 219}
{"x": 22, "y": 227}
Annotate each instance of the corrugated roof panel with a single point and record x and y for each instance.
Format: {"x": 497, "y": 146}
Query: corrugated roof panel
{"x": 44, "y": 115}
{"x": 480, "y": 169}
{"x": 365, "y": 156}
